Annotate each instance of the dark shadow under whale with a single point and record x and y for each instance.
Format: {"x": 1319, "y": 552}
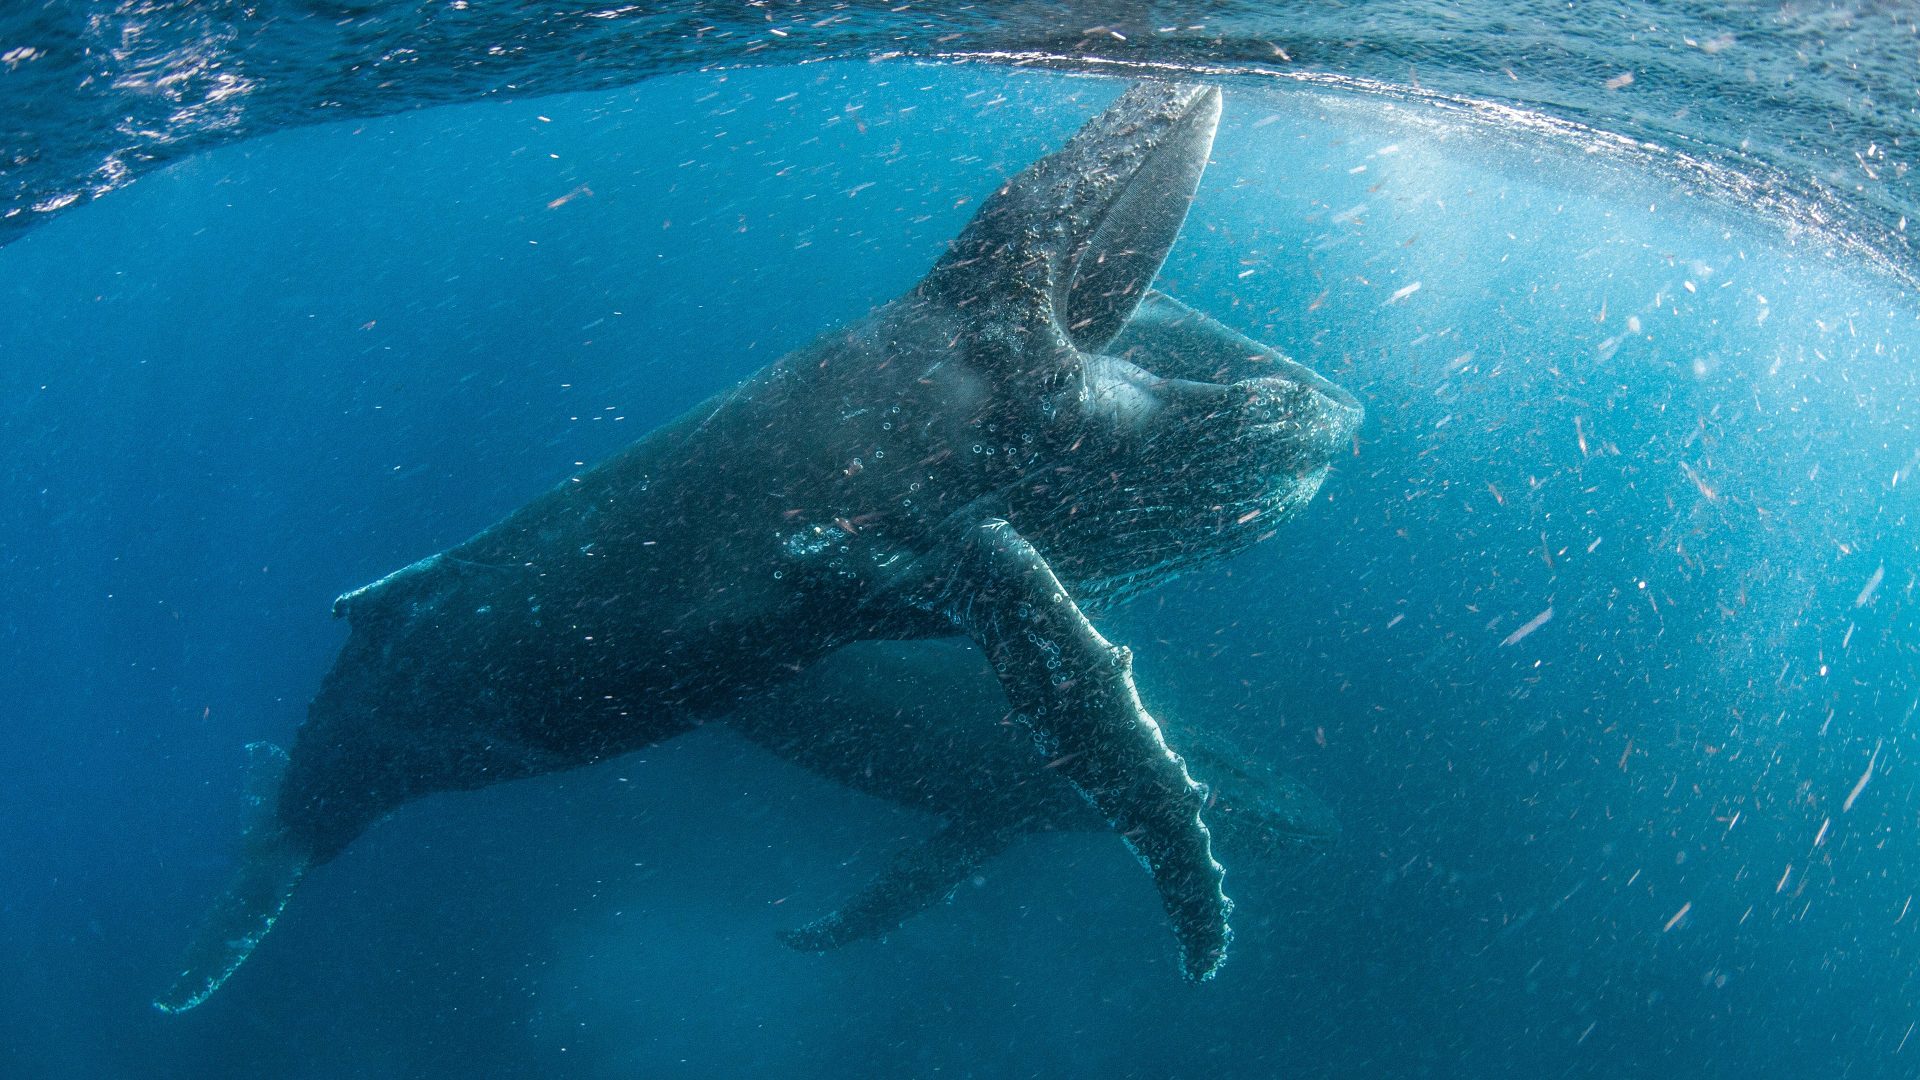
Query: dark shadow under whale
{"x": 975, "y": 457}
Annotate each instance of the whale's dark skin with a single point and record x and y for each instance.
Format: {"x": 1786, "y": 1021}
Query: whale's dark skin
{"x": 963, "y": 460}
{"x": 892, "y": 718}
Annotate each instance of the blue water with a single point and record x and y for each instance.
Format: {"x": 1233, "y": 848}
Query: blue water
{"x": 1622, "y": 845}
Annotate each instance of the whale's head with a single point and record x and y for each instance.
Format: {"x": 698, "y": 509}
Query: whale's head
{"x": 1162, "y": 437}
{"x": 1193, "y": 442}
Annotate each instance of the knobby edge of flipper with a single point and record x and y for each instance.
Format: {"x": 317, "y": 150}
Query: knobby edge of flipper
{"x": 1074, "y": 691}
{"x": 271, "y": 866}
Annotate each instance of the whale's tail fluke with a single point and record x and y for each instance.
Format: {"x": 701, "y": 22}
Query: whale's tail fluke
{"x": 271, "y": 864}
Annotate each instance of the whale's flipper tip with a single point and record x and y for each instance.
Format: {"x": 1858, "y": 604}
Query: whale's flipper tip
{"x": 820, "y": 935}
{"x": 271, "y": 866}
{"x": 919, "y": 877}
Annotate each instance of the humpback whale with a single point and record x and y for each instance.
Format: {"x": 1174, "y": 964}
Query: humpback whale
{"x": 970, "y": 458}
{"x": 903, "y": 714}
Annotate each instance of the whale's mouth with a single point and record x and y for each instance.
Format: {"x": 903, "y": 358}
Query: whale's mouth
{"x": 1207, "y": 439}
{"x": 1109, "y": 271}
{"x": 1312, "y": 417}
{"x": 1193, "y": 357}
{"x": 1283, "y": 372}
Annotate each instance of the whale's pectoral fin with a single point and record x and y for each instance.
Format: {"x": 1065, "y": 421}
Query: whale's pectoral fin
{"x": 1075, "y": 690}
{"x": 271, "y": 865}
{"x": 919, "y": 877}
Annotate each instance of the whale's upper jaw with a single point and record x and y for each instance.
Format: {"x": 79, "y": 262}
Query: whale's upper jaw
{"x": 1078, "y": 236}
{"x": 1191, "y": 443}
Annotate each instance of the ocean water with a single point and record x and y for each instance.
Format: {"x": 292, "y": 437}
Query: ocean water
{"x": 1658, "y": 389}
